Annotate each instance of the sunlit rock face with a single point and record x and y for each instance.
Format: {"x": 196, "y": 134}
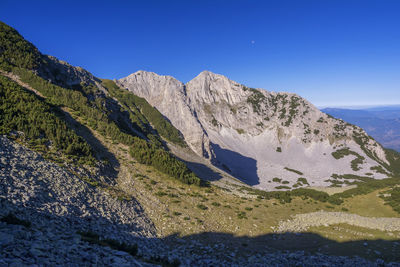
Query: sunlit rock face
{"x": 258, "y": 135}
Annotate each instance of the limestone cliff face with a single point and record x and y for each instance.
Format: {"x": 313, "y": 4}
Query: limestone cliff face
{"x": 258, "y": 135}
{"x": 169, "y": 96}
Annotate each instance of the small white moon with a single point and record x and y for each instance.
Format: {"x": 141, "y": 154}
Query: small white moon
{"x": 253, "y": 42}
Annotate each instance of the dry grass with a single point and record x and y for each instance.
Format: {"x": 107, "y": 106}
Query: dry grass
{"x": 174, "y": 207}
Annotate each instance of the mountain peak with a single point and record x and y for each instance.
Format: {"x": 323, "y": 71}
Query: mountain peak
{"x": 147, "y": 76}
{"x": 143, "y": 72}
{"x": 208, "y": 75}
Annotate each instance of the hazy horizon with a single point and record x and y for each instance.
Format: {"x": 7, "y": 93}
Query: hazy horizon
{"x": 361, "y": 107}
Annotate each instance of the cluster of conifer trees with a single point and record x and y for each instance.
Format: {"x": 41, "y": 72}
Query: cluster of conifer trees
{"x": 41, "y": 123}
{"x": 96, "y": 117}
{"x": 41, "y": 119}
{"x": 16, "y": 51}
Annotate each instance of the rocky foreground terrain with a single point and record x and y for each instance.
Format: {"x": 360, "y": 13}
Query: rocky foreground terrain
{"x": 47, "y": 214}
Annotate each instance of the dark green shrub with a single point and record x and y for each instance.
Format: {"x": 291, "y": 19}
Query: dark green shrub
{"x": 241, "y": 215}
{"x": 293, "y": 170}
{"x": 11, "y": 219}
{"x": 202, "y": 207}
{"x": 160, "y": 193}
{"x": 282, "y": 187}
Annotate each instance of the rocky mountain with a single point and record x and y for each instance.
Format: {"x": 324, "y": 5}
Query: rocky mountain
{"x": 93, "y": 174}
{"x": 258, "y": 135}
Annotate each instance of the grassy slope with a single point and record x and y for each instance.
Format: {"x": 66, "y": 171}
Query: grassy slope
{"x": 176, "y": 211}
{"x": 176, "y": 198}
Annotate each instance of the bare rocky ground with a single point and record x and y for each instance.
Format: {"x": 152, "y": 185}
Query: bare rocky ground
{"x": 58, "y": 205}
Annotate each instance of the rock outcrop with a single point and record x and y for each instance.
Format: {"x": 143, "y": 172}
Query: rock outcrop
{"x": 258, "y": 135}
{"x": 169, "y": 96}
{"x": 62, "y": 73}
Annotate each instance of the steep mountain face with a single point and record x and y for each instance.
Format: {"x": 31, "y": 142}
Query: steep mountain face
{"x": 169, "y": 96}
{"x": 258, "y": 135}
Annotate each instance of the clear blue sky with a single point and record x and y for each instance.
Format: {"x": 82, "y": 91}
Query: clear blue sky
{"x": 332, "y": 52}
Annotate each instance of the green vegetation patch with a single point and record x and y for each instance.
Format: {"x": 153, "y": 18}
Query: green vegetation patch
{"x": 241, "y": 215}
{"x": 302, "y": 180}
{"x": 240, "y": 131}
{"x": 202, "y": 207}
{"x": 144, "y": 152}
{"x": 255, "y": 99}
{"x": 391, "y": 155}
{"x": 392, "y": 198}
{"x": 293, "y": 170}
{"x": 293, "y": 109}
{"x": 20, "y": 56}
{"x": 276, "y": 180}
{"x": 42, "y": 124}
{"x": 287, "y": 196}
{"x": 16, "y": 51}
{"x": 214, "y": 122}
{"x": 149, "y": 154}
{"x": 379, "y": 169}
{"x": 368, "y": 185}
{"x": 350, "y": 176}
{"x": 282, "y": 187}
{"x": 341, "y": 153}
{"x": 394, "y": 159}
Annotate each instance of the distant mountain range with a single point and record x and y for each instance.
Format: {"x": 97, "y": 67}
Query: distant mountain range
{"x": 382, "y": 123}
